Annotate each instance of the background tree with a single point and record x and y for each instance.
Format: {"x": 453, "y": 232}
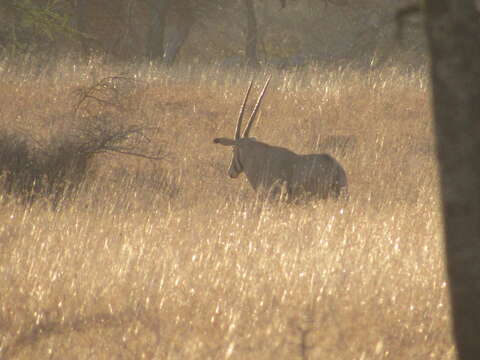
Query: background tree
{"x": 453, "y": 30}
{"x": 79, "y": 22}
{"x": 156, "y": 35}
{"x": 252, "y": 34}
{"x": 171, "y": 25}
{"x": 35, "y": 27}
{"x": 181, "y": 15}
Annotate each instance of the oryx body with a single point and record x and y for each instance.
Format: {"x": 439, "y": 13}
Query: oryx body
{"x": 277, "y": 170}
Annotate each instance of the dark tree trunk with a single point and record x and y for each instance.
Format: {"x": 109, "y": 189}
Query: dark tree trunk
{"x": 155, "y": 40}
{"x": 453, "y": 31}
{"x": 252, "y": 34}
{"x": 80, "y": 24}
{"x": 184, "y": 21}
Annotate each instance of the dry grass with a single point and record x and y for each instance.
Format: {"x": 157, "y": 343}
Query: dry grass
{"x": 173, "y": 260}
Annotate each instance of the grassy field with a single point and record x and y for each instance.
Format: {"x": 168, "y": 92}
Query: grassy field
{"x": 171, "y": 259}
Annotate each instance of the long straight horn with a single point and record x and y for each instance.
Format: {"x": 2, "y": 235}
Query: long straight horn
{"x": 255, "y": 110}
{"x": 242, "y": 110}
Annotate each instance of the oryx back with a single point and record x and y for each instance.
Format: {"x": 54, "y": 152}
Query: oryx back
{"x": 318, "y": 175}
{"x": 266, "y": 166}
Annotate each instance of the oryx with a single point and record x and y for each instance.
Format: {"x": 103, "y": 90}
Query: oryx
{"x": 276, "y": 170}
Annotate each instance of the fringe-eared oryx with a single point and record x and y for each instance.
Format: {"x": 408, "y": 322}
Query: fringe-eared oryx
{"x": 276, "y": 170}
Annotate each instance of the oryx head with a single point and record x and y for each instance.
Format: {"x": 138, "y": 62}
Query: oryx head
{"x": 240, "y": 143}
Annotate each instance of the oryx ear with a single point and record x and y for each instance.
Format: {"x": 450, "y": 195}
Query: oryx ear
{"x": 224, "y": 141}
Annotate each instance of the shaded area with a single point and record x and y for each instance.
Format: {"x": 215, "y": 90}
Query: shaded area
{"x": 453, "y": 30}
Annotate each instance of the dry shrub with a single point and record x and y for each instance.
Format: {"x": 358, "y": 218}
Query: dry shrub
{"x": 55, "y": 168}
{"x": 31, "y": 171}
{"x": 19, "y": 170}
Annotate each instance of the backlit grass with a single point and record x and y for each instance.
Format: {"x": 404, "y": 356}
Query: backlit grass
{"x": 172, "y": 259}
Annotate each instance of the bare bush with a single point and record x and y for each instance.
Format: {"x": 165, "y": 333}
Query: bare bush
{"x": 19, "y": 169}
{"x": 56, "y": 168}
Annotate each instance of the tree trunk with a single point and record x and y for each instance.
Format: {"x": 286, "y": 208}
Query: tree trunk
{"x": 252, "y": 34}
{"x": 80, "y": 20}
{"x": 156, "y": 35}
{"x": 453, "y": 32}
{"x": 184, "y": 21}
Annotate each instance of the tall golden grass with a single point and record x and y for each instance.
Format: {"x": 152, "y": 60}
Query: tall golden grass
{"x": 174, "y": 260}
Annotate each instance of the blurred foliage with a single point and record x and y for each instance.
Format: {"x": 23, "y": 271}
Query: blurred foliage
{"x": 30, "y": 26}
{"x": 290, "y": 34}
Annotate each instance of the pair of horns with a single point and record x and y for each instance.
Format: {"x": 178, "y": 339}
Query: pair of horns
{"x": 254, "y": 113}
